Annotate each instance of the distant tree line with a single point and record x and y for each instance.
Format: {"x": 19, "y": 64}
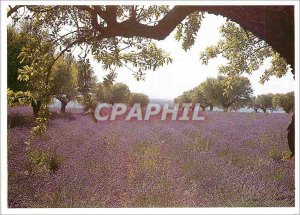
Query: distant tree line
{"x": 214, "y": 92}
{"x": 91, "y": 92}
{"x": 273, "y": 102}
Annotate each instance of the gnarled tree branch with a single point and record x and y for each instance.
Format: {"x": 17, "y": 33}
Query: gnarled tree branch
{"x": 274, "y": 24}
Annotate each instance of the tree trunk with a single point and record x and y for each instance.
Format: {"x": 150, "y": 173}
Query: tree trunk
{"x": 193, "y": 106}
{"x": 225, "y": 109}
{"x": 93, "y": 116}
{"x": 291, "y": 136}
{"x": 211, "y": 108}
{"x": 36, "y": 106}
{"x": 255, "y": 110}
{"x": 64, "y": 102}
{"x": 203, "y": 108}
{"x": 63, "y": 106}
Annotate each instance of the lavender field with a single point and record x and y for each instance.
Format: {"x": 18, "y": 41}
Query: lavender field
{"x": 227, "y": 160}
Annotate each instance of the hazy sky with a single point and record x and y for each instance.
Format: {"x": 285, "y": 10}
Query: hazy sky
{"x": 186, "y": 71}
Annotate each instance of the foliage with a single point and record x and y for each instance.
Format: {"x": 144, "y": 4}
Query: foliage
{"x": 94, "y": 30}
{"x": 137, "y": 53}
{"x": 120, "y": 93}
{"x": 17, "y": 97}
{"x": 245, "y": 53}
{"x": 18, "y": 120}
{"x": 197, "y": 96}
{"x": 102, "y": 93}
{"x": 85, "y": 77}
{"x": 42, "y": 120}
{"x": 99, "y": 93}
{"x": 273, "y": 101}
{"x": 218, "y": 93}
{"x": 284, "y": 101}
{"x": 38, "y": 53}
{"x": 65, "y": 79}
{"x": 139, "y": 98}
{"x": 34, "y": 63}
{"x": 44, "y": 160}
{"x": 209, "y": 89}
{"x": 238, "y": 105}
{"x": 254, "y": 103}
{"x": 92, "y": 93}
{"x": 90, "y": 29}
{"x": 86, "y": 82}
{"x": 215, "y": 92}
{"x": 194, "y": 96}
{"x": 47, "y": 42}
{"x": 26, "y": 79}
{"x": 187, "y": 31}
{"x": 265, "y": 101}
{"x": 15, "y": 42}
{"x": 145, "y": 55}
{"x": 184, "y": 98}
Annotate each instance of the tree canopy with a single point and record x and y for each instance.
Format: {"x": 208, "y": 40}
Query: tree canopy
{"x": 265, "y": 101}
{"x": 254, "y": 103}
{"x": 120, "y": 93}
{"x": 35, "y": 55}
{"x": 65, "y": 80}
{"x": 214, "y": 92}
{"x": 97, "y": 22}
{"x": 245, "y": 53}
{"x": 285, "y": 101}
{"x": 139, "y": 98}
{"x": 220, "y": 95}
{"x": 15, "y": 42}
{"x": 198, "y": 96}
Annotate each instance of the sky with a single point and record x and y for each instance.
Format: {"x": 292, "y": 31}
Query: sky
{"x": 187, "y": 72}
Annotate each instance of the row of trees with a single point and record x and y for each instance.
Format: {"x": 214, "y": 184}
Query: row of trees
{"x": 214, "y": 92}
{"x": 107, "y": 92}
{"x": 273, "y": 101}
{"x": 39, "y": 65}
{"x": 70, "y": 79}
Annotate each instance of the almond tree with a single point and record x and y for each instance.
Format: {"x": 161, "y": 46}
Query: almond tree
{"x": 139, "y": 98}
{"x": 265, "y": 101}
{"x": 120, "y": 93}
{"x": 238, "y": 94}
{"x": 254, "y": 103}
{"x": 65, "y": 81}
{"x": 197, "y": 96}
{"x": 285, "y": 101}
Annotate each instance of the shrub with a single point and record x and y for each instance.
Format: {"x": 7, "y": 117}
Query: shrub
{"x": 42, "y": 160}
{"x": 54, "y": 162}
{"x": 275, "y": 154}
{"x": 278, "y": 174}
{"x": 19, "y": 120}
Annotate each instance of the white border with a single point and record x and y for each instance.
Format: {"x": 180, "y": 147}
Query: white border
{"x": 269, "y": 210}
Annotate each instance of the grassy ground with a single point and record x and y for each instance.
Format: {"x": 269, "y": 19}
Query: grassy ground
{"x": 227, "y": 160}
